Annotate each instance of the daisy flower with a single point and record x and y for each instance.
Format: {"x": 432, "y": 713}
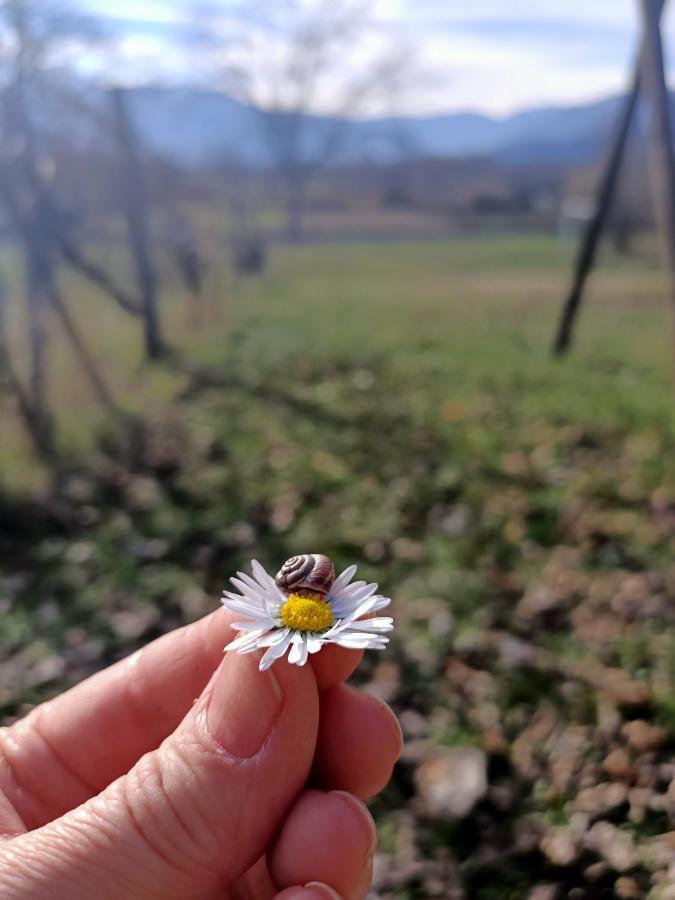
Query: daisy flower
{"x": 304, "y": 608}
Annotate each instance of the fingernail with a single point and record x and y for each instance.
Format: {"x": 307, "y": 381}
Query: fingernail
{"x": 326, "y": 891}
{"x": 244, "y": 707}
{"x": 362, "y": 811}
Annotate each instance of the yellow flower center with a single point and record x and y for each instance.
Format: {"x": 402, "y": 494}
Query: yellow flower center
{"x": 310, "y": 613}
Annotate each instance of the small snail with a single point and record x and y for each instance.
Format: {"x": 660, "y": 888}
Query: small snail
{"x": 311, "y": 572}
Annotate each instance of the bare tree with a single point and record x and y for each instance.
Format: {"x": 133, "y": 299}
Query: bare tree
{"x": 29, "y": 31}
{"x": 33, "y": 87}
{"x": 298, "y": 68}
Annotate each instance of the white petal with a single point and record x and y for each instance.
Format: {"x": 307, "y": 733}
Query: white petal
{"x": 359, "y": 641}
{"x": 275, "y": 637}
{"x": 246, "y": 642}
{"x": 255, "y": 594}
{"x": 296, "y": 650}
{"x": 314, "y": 644}
{"x": 299, "y": 651}
{"x": 272, "y": 594}
{"x": 251, "y": 625}
{"x": 263, "y": 578}
{"x": 346, "y": 590}
{"x": 276, "y": 651}
{"x": 245, "y": 609}
{"x": 377, "y": 625}
{"x": 343, "y": 579}
{"x": 348, "y": 603}
{"x": 237, "y": 598}
{"x": 362, "y": 609}
{"x": 337, "y": 595}
{"x": 248, "y": 581}
{"x": 381, "y": 602}
{"x": 360, "y": 589}
{"x": 304, "y": 652}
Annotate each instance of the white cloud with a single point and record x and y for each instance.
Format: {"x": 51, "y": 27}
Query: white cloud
{"x": 483, "y": 55}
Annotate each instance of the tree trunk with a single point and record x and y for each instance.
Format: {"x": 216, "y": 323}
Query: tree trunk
{"x": 135, "y": 206}
{"x": 662, "y": 162}
{"x": 38, "y": 288}
{"x": 295, "y": 206}
{"x": 603, "y": 201}
{"x": 596, "y": 224}
{"x": 39, "y": 429}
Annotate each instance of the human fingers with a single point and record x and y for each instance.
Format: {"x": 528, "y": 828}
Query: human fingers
{"x": 326, "y": 837}
{"x": 62, "y": 754}
{"x": 195, "y": 813}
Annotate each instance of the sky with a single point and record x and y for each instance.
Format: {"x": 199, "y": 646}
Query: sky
{"x": 488, "y": 56}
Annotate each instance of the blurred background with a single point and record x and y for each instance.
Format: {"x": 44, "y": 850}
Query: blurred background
{"x": 283, "y": 277}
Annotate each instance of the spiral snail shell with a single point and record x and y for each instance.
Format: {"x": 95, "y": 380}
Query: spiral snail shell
{"x": 311, "y": 572}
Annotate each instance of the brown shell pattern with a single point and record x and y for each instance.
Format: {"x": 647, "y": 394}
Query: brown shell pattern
{"x": 312, "y": 572}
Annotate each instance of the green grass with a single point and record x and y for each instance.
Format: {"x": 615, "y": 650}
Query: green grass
{"x": 463, "y": 326}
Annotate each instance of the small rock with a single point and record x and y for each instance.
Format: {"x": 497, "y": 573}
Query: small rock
{"x": 626, "y": 888}
{"x": 409, "y": 550}
{"x": 658, "y": 853}
{"x": 613, "y": 845}
{"x": 79, "y": 553}
{"x": 609, "y": 718}
{"x": 194, "y": 603}
{"x": 415, "y": 752}
{"x": 515, "y": 653}
{"x": 149, "y": 550}
{"x": 601, "y": 798}
{"x": 386, "y": 681}
{"x": 668, "y": 837}
{"x": 413, "y": 724}
{"x": 539, "y": 604}
{"x": 617, "y": 685}
{"x": 451, "y": 782}
{"x": 580, "y": 822}
{"x": 560, "y": 845}
{"x": 644, "y": 736}
{"x": 640, "y": 801}
{"x": 45, "y": 670}
{"x": 667, "y": 892}
{"x": 544, "y": 892}
{"x": 618, "y": 765}
{"x": 494, "y": 742}
{"x": 596, "y": 871}
{"x": 132, "y": 624}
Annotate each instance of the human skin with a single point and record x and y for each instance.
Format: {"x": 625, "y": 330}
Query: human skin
{"x": 183, "y": 774}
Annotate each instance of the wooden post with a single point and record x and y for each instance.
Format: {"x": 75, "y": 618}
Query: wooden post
{"x": 603, "y": 202}
{"x": 133, "y": 197}
{"x": 594, "y": 228}
{"x": 661, "y": 159}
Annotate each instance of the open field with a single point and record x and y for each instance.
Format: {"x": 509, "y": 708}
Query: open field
{"x": 395, "y": 404}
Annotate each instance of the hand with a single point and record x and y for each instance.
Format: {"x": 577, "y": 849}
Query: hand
{"x": 126, "y": 787}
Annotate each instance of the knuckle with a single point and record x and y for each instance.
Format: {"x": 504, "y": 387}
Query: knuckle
{"x": 170, "y": 822}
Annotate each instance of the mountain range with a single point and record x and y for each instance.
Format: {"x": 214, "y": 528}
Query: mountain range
{"x": 198, "y": 128}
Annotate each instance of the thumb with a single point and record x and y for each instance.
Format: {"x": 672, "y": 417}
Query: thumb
{"x": 194, "y": 814}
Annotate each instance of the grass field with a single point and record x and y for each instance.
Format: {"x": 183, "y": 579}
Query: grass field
{"x": 453, "y": 319}
{"x": 395, "y": 404}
